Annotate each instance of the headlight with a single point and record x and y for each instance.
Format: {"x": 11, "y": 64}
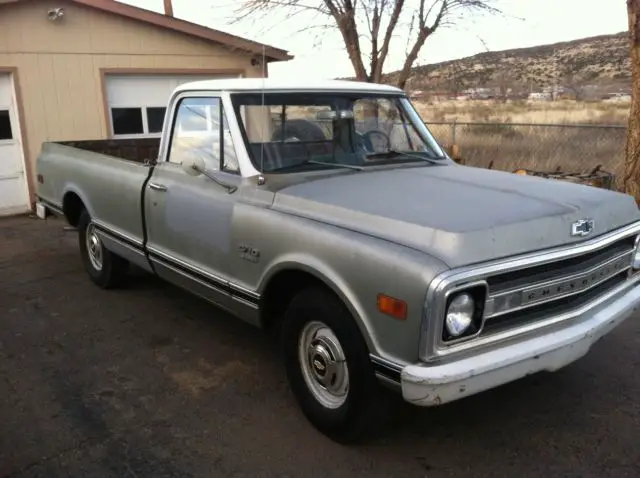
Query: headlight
{"x": 635, "y": 263}
{"x": 460, "y": 314}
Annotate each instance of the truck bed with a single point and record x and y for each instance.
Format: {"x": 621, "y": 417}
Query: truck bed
{"x": 105, "y": 176}
{"x": 138, "y": 150}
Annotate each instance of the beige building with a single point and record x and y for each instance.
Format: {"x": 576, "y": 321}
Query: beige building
{"x": 96, "y": 69}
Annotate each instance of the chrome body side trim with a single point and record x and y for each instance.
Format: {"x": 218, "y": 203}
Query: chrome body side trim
{"x": 124, "y": 249}
{"x": 216, "y": 283}
{"x": 53, "y": 206}
{"x": 116, "y": 233}
{"x": 245, "y": 302}
{"x": 134, "y": 251}
{"x": 220, "y": 282}
{"x": 386, "y": 370}
{"x": 237, "y": 289}
{"x": 159, "y": 262}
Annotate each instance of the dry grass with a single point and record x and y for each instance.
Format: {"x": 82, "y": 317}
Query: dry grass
{"x": 508, "y": 146}
{"x": 521, "y": 111}
{"x": 542, "y": 148}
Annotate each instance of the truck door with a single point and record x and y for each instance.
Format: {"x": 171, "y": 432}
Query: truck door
{"x": 188, "y": 218}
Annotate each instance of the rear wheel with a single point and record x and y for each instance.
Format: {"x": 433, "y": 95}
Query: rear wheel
{"x": 328, "y": 366}
{"x": 106, "y": 269}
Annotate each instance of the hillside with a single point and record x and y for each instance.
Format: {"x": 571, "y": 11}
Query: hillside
{"x": 597, "y": 63}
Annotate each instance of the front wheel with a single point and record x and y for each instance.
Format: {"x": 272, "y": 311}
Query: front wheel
{"x": 106, "y": 269}
{"x": 328, "y": 367}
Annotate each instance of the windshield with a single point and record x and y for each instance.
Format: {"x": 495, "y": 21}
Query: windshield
{"x": 298, "y": 131}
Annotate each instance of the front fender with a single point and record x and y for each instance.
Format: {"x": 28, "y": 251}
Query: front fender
{"x": 358, "y": 268}
{"x": 331, "y": 277}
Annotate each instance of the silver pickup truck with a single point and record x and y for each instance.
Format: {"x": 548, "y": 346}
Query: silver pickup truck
{"x": 329, "y": 211}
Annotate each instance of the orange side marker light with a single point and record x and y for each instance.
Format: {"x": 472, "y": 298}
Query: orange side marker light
{"x": 396, "y": 308}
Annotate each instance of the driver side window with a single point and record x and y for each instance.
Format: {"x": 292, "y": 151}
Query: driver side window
{"x": 197, "y": 129}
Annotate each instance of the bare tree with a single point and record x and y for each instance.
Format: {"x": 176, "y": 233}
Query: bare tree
{"x": 632, "y": 156}
{"x": 376, "y": 22}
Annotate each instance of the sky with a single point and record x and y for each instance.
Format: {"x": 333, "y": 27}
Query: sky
{"x": 320, "y": 54}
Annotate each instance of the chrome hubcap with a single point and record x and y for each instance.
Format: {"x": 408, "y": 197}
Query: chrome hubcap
{"x": 323, "y": 364}
{"x": 94, "y": 247}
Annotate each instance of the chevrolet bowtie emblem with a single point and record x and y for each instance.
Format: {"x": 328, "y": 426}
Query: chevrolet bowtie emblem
{"x": 583, "y": 227}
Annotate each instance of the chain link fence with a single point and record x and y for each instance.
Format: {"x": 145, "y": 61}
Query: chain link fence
{"x": 565, "y": 151}
{"x": 577, "y": 148}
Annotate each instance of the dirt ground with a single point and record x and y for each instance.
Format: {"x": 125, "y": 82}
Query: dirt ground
{"x": 149, "y": 381}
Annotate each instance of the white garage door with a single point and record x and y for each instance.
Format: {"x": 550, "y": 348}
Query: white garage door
{"x": 137, "y": 103}
{"x": 14, "y": 195}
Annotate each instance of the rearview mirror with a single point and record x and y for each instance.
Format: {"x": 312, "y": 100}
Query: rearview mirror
{"x": 326, "y": 115}
{"x": 193, "y": 166}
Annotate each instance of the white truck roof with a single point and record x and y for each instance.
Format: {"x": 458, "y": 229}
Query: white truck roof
{"x": 269, "y": 84}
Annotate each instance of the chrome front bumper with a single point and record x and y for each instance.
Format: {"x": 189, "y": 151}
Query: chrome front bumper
{"x": 431, "y": 385}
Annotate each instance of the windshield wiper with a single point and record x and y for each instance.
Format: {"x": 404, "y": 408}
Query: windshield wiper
{"x": 392, "y": 153}
{"x": 322, "y": 163}
{"x": 336, "y": 165}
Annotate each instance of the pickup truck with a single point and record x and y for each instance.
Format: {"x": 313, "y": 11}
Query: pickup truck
{"x": 330, "y": 212}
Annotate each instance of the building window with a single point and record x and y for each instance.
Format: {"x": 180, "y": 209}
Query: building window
{"x": 127, "y": 121}
{"x": 137, "y": 121}
{"x": 5, "y": 126}
{"x": 155, "y": 118}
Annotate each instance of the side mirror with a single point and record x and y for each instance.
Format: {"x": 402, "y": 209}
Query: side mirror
{"x": 193, "y": 166}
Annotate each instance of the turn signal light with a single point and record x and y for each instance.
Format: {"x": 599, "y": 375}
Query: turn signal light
{"x": 391, "y": 306}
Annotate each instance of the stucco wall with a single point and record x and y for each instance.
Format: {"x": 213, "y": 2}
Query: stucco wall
{"x": 59, "y": 63}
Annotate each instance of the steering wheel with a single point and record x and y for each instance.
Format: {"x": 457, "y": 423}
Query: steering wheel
{"x": 367, "y": 137}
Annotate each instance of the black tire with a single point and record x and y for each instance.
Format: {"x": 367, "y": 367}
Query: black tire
{"x": 114, "y": 268}
{"x": 302, "y": 129}
{"x": 360, "y": 412}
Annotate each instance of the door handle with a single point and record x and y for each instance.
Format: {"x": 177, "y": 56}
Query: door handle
{"x": 157, "y": 187}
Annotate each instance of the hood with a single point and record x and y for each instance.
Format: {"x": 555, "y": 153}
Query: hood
{"x": 458, "y": 214}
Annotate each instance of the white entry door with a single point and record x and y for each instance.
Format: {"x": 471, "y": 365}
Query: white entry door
{"x": 14, "y": 193}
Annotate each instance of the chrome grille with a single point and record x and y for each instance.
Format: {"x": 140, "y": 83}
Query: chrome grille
{"x": 522, "y": 296}
{"x": 557, "y": 269}
{"x": 554, "y": 308}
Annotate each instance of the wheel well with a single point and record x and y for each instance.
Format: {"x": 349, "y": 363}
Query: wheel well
{"x": 72, "y": 207}
{"x": 281, "y": 289}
